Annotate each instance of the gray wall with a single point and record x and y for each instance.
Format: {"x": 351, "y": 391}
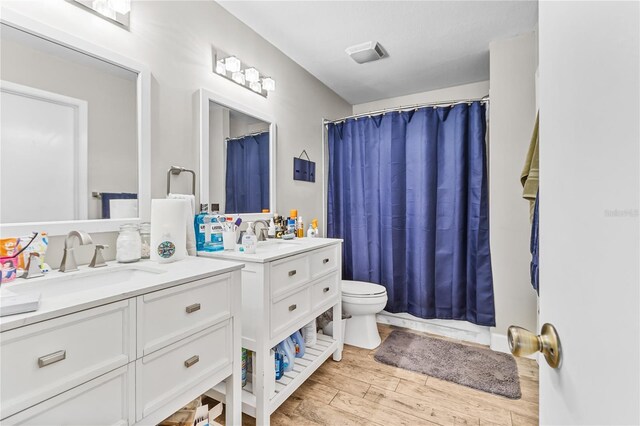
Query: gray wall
{"x": 175, "y": 39}
{"x": 513, "y": 113}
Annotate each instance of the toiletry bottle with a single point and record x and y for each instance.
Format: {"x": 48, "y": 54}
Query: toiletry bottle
{"x": 249, "y": 240}
{"x": 311, "y": 232}
{"x": 216, "y": 242}
{"x": 314, "y": 222}
{"x": 299, "y": 344}
{"x": 271, "y": 233}
{"x": 200, "y": 227}
{"x": 300, "y": 228}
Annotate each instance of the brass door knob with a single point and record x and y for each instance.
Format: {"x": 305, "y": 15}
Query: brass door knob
{"x": 522, "y": 342}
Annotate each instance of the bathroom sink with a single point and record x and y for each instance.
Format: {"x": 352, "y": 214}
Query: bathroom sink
{"x": 85, "y": 280}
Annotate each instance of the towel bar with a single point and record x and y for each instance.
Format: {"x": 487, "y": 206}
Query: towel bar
{"x": 176, "y": 170}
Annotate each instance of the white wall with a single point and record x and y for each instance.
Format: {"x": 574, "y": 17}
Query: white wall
{"x": 113, "y": 152}
{"x": 512, "y": 117}
{"x": 175, "y": 39}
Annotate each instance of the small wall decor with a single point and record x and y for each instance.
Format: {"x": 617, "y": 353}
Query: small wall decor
{"x": 304, "y": 169}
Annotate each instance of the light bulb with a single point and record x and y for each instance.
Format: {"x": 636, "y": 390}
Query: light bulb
{"x": 252, "y": 75}
{"x": 104, "y": 8}
{"x": 121, "y": 6}
{"x": 238, "y": 77}
{"x": 268, "y": 84}
{"x": 256, "y": 87}
{"x": 232, "y": 64}
{"x": 220, "y": 67}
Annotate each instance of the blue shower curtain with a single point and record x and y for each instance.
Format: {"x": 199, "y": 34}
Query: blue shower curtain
{"x": 247, "y": 181}
{"x": 408, "y": 194}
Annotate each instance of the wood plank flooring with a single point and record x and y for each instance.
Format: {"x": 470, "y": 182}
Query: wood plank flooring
{"x": 360, "y": 391}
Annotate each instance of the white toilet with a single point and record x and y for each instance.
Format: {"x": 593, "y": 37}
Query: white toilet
{"x": 362, "y": 301}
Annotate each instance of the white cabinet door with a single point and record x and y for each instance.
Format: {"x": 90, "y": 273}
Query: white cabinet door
{"x": 589, "y": 201}
{"x": 42, "y": 360}
{"x": 106, "y": 400}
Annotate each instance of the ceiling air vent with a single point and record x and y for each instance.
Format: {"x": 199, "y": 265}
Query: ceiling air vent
{"x": 366, "y": 52}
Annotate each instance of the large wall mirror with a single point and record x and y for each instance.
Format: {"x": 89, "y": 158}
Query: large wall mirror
{"x": 237, "y": 157}
{"x": 73, "y": 133}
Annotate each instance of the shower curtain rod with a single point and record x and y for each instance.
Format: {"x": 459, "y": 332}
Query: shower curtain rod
{"x": 484, "y": 99}
{"x": 248, "y": 134}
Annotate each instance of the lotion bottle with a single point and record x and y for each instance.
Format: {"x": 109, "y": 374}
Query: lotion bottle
{"x": 249, "y": 240}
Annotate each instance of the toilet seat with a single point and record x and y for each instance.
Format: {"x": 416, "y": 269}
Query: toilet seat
{"x": 361, "y": 289}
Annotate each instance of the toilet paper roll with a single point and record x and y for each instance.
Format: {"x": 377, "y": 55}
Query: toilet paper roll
{"x": 168, "y": 234}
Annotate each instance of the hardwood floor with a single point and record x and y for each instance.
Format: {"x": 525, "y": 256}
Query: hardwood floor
{"x": 360, "y": 391}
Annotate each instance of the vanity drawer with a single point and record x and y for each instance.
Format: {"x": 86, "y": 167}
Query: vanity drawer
{"x": 288, "y": 310}
{"x": 101, "y": 401}
{"x": 182, "y": 367}
{"x": 323, "y": 261}
{"x": 166, "y": 316}
{"x": 325, "y": 290}
{"x": 45, "y": 359}
{"x": 289, "y": 273}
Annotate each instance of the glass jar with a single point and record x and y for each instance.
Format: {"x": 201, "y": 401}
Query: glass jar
{"x": 128, "y": 244}
{"x": 145, "y": 238}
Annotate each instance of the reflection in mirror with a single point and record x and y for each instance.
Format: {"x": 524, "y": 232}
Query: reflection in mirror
{"x": 68, "y": 137}
{"x": 238, "y": 161}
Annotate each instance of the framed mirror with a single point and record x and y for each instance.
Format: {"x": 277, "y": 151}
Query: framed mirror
{"x": 74, "y": 133}
{"x": 237, "y": 157}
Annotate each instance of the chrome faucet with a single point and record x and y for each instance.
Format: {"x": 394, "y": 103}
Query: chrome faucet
{"x": 69, "y": 259}
{"x": 262, "y": 235}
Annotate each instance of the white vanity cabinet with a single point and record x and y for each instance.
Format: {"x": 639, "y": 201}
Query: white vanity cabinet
{"x": 285, "y": 285}
{"x": 135, "y": 360}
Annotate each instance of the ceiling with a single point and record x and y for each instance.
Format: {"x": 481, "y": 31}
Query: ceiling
{"x": 431, "y": 44}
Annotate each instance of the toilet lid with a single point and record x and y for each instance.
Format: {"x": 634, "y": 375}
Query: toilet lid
{"x": 361, "y": 288}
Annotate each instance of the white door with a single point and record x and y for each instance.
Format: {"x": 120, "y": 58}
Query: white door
{"x": 49, "y": 130}
{"x": 589, "y": 201}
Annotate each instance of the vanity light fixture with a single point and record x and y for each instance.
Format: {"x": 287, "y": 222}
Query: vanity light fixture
{"x": 238, "y": 77}
{"x": 252, "y": 75}
{"x": 232, "y": 64}
{"x": 116, "y": 11}
{"x": 231, "y": 68}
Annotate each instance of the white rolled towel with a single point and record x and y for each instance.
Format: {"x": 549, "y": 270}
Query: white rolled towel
{"x": 191, "y": 212}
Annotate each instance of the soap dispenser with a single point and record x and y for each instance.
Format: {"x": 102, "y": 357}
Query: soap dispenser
{"x": 249, "y": 240}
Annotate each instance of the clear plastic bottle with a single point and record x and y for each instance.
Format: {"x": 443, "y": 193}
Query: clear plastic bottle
{"x": 145, "y": 239}
{"x": 128, "y": 244}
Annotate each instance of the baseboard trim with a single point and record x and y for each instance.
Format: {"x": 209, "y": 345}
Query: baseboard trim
{"x": 460, "y": 330}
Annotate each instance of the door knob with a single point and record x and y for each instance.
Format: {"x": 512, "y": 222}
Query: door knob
{"x": 522, "y": 342}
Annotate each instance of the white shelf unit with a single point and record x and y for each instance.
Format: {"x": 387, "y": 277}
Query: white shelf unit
{"x": 281, "y": 294}
{"x": 313, "y": 358}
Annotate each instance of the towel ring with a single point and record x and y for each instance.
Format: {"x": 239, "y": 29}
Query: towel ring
{"x": 176, "y": 170}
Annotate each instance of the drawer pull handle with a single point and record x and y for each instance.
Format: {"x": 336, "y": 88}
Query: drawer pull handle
{"x": 191, "y": 361}
{"x": 292, "y": 273}
{"x": 325, "y": 261}
{"x": 326, "y": 289}
{"x": 45, "y": 360}
{"x": 293, "y": 308}
{"x": 192, "y": 308}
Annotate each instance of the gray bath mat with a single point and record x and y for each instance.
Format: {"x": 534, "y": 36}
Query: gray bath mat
{"x": 471, "y": 366}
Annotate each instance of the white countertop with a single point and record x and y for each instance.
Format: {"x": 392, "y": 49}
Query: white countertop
{"x": 273, "y": 249}
{"x": 61, "y": 296}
